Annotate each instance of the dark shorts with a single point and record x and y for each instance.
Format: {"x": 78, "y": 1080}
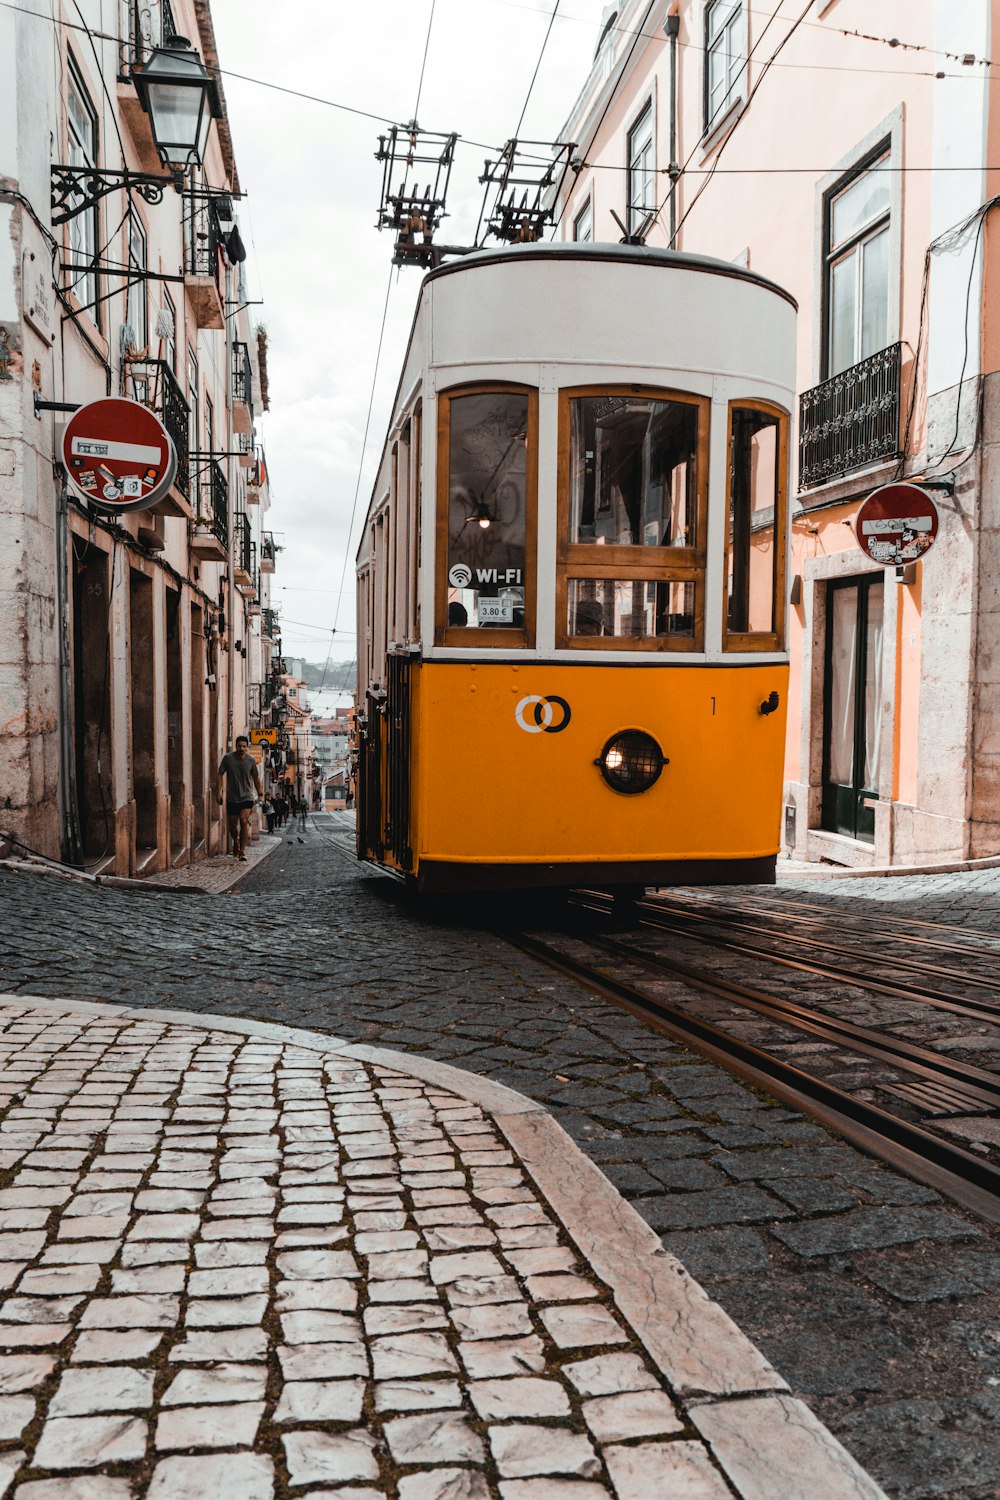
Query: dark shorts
{"x": 235, "y": 808}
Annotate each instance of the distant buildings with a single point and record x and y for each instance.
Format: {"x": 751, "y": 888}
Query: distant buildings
{"x": 135, "y": 647}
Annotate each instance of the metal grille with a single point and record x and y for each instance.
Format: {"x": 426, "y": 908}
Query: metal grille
{"x": 852, "y": 420}
{"x": 631, "y": 761}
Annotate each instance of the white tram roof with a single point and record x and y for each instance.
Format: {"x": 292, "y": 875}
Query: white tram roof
{"x": 587, "y": 311}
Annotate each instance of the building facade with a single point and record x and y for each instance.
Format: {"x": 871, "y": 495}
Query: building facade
{"x": 843, "y": 151}
{"x": 134, "y": 647}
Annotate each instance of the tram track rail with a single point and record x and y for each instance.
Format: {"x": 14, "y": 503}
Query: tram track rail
{"x": 947, "y": 1167}
{"x": 657, "y": 913}
{"x": 746, "y": 909}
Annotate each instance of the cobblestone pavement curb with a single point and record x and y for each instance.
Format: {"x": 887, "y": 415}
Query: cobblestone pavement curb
{"x": 212, "y": 876}
{"x": 246, "y": 1259}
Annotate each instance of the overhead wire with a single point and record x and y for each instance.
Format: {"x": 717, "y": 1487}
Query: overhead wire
{"x": 538, "y": 64}
{"x": 361, "y": 461}
{"x": 423, "y": 65}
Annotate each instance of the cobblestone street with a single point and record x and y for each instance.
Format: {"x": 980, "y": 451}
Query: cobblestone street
{"x": 871, "y": 1296}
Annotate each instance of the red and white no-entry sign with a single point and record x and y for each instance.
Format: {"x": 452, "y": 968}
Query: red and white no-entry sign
{"x": 897, "y": 524}
{"x": 118, "y": 455}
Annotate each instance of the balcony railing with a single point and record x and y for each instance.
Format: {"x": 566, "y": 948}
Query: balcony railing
{"x": 269, "y": 625}
{"x": 268, "y": 552}
{"x": 852, "y": 420}
{"x": 149, "y": 25}
{"x": 213, "y": 501}
{"x": 153, "y": 382}
{"x": 243, "y": 378}
{"x": 241, "y": 544}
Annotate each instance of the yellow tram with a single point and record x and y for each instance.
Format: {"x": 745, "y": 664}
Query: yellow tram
{"x": 572, "y": 661}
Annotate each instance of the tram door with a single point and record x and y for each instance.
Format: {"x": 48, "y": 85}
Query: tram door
{"x": 852, "y": 705}
{"x": 384, "y": 769}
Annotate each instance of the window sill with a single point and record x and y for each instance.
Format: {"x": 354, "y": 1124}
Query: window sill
{"x": 717, "y": 132}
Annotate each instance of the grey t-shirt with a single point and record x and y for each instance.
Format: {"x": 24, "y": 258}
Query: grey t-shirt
{"x": 240, "y": 777}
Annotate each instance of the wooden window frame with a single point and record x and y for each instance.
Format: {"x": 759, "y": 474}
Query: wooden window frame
{"x": 631, "y": 564}
{"x": 760, "y": 640}
{"x": 488, "y": 636}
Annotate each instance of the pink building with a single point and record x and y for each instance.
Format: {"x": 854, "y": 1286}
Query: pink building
{"x": 841, "y": 151}
{"x": 135, "y": 647}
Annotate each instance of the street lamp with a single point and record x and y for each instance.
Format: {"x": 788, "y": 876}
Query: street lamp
{"x": 181, "y": 98}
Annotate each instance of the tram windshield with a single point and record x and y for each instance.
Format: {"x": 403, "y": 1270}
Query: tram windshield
{"x": 487, "y": 506}
{"x": 630, "y": 607}
{"x": 633, "y": 479}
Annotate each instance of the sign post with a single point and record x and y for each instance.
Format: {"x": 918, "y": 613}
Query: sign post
{"x": 118, "y": 455}
{"x": 897, "y": 524}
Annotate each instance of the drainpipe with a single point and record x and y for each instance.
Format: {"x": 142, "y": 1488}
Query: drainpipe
{"x": 72, "y": 847}
{"x": 672, "y": 26}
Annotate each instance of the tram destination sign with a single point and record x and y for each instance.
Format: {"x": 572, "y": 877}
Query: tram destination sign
{"x": 897, "y": 524}
{"x": 118, "y": 455}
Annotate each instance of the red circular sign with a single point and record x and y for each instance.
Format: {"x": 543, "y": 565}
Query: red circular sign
{"x": 897, "y": 524}
{"x": 118, "y": 455}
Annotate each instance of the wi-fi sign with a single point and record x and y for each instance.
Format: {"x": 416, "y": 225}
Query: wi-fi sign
{"x": 460, "y": 576}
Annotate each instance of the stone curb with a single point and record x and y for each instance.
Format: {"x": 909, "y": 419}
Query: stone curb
{"x": 40, "y": 866}
{"x": 883, "y": 872}
{"x": 766, "y": 1442}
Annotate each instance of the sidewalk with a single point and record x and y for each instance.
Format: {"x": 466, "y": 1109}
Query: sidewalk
{"x": 245, "y": 1261}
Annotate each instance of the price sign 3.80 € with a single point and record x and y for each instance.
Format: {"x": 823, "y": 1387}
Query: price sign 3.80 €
{"x": 118, "y": 455}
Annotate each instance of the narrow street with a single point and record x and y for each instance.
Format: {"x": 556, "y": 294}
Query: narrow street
{"x": 871, "y": 1296}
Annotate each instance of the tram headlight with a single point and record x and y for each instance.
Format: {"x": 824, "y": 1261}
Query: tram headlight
{"x": 631, "y": 761}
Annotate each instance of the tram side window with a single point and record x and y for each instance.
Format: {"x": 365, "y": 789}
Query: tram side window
{"x": 633, "y": 471}
{"x": 754, "y": 564}
{"x": 488, "y": 497}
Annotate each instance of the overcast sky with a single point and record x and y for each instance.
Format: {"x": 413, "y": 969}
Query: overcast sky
{"x": 322, "y": 269}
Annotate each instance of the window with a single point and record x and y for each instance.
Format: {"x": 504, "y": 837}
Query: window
{"x": 632, "y": 519}
{"x": 583, "y": 224}
{"x": 856, "y": 223}
{"x": 83, "y": 230}
{"x": 723, "y": 57}
{"x": 194, "y": 401}
{"x": 756, "y": 529}
{"x": 487, "y": 473}
{"x": 641, "y": 168}
{"x": 136, "y": 307}
{"x": 170, "y": 340}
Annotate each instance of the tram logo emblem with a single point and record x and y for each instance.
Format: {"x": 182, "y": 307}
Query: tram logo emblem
{"x": 460, "y": 576}
{"x": 536, "y": 715}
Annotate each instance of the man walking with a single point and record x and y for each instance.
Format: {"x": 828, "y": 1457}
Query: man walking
{"x": 239, "y": 771}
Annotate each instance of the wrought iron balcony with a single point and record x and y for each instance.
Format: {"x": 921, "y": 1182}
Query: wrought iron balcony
{"x": 269, "y": 625}
{"x": 210, "y": 537}
{"x": 242, "y": 389}
{"x": 244, "y": 557}
{"x": 153, "y": 382}
{"x": 268, "y": 552}
{"x": 203, "y": 264}
{"x": 851, "y": 420}
{"x": 149, "y": 26}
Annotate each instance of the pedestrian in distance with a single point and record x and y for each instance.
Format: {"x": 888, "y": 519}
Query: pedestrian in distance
{"x": 303, "y": 809}
{"x": 238, "y": 773}
{"x": 269, "y": 813}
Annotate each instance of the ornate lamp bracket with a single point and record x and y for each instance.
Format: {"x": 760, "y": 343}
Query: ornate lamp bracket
{"x": 75, "y": 189}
